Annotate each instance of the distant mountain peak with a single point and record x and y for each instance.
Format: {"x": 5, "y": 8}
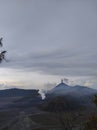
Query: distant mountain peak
{"x": 62, "y": 84}
{"x": 64, "y": 89}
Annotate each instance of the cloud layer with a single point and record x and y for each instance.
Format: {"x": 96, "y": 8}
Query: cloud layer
{"x": 50, "y": 37}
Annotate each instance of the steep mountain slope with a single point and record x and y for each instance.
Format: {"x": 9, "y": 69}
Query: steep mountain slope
{"x": 64, "y": 89}
{"x": 76, "y": 96}
{"x": 60, "y": 88}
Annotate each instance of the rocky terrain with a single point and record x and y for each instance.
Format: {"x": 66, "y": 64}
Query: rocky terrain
{"x": 25, "y": 110}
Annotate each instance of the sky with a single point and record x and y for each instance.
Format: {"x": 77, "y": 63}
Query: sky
{"x": 48, "y": 40}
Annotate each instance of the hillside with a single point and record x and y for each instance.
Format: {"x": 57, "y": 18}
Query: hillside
{"x": 77, "y": 96}
{"x": 19, "y": 99}
{"x": 21, "y": 108}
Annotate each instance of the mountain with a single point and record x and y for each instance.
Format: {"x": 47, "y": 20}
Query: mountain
{"x": 82, "y": 91}
{"x": 19, "y": 98}
{"x": 15, "y": 92}
{"x": 26, "y": 99}
{"x": 76, "y": 96}
{"x": 64, "y": 89}
{"x": 59, "y": 89}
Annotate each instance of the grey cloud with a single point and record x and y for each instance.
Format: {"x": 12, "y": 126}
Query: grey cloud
{"x": 57, "y": 63}
{"x": 54, "y": 37}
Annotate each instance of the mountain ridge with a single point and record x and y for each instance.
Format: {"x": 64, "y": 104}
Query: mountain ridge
{"x": 14, "y": 92}
{"x": 63, "y": 88}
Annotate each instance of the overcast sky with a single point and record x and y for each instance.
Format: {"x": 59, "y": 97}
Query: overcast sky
{"x": 48, "y": 40}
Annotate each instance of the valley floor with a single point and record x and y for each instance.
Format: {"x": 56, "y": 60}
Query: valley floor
{"x": 40, "y": 120}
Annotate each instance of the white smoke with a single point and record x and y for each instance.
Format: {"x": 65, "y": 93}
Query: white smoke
{"x": 42, "y": 93}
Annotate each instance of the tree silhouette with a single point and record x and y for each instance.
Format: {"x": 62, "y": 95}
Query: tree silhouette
{"x": 92, "y": 122}
{"x": 95, "y": 100}
{"x": 2, "y": 53}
